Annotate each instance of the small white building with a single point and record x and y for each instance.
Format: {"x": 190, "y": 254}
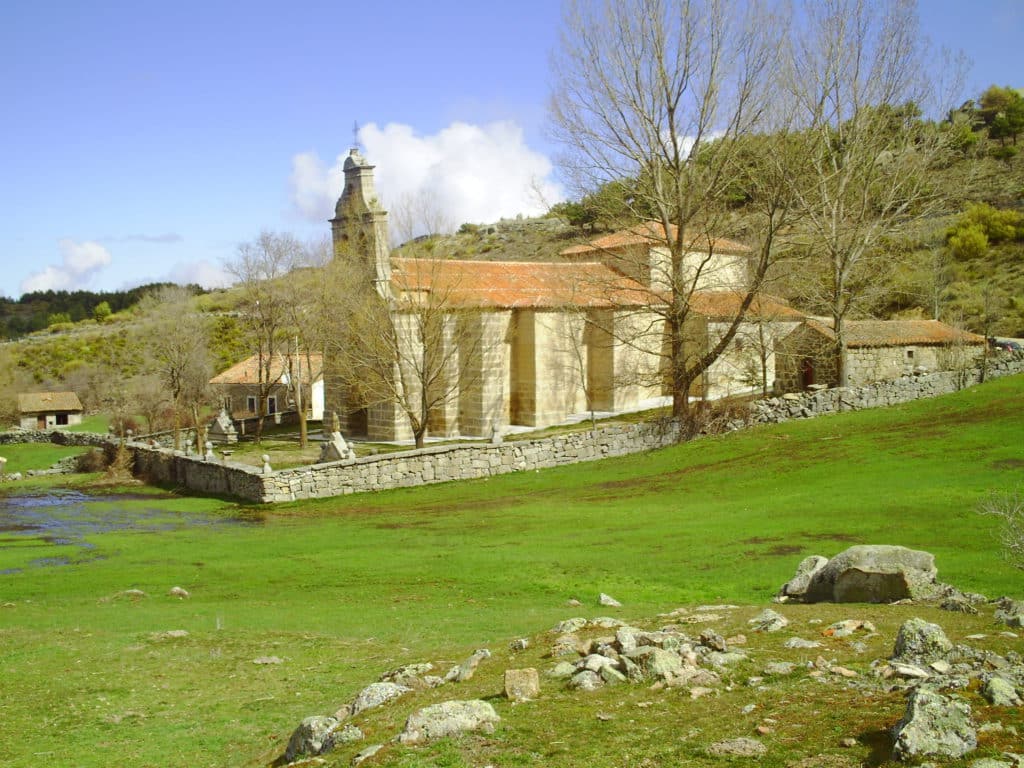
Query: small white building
{"x": 49, "y": 410}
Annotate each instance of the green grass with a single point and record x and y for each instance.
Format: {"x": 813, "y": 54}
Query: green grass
{"x": 22, "y": 457}
{"x": 346, "y": 588}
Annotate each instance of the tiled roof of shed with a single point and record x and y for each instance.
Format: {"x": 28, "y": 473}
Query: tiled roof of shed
{"x": 48, "y": 402}
{"x": 651, "y": 232}
{"x": 896, "y": 333}
{"x": 247, "y": 371}
{"x": 515, "y": 285}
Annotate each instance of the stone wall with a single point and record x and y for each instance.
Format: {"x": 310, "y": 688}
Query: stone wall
{"x": 882, "y": 393}
{"x": 465, "y": 462}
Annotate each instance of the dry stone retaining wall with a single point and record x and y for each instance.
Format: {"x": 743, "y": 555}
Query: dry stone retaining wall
{"x": 880, "y": 394}
{"x": 465, "y": 462}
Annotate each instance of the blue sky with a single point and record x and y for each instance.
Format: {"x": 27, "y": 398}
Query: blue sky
{"x": 144, "y": 141}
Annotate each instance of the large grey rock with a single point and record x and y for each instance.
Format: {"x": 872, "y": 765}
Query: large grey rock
{"x": 312, "y": 737}
{"x": 874, "y": 574}
{"x": 796, "y": 588}
{"x": 449, "y": 718}
{"x": 656, "y": 662}
{"x": 917, "y": 640}
{"x": 934, "y": 726}
{"x": 376, "y": 695}
{"x": 1001, "y": 693}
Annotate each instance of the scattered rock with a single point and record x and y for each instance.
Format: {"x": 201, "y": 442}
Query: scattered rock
{"x": 609, "y": 601}
{"x": 467, "y": 669}
{"x": 570, "y": 625}
{"x": 573, "y": 602}
{"x": 562, "y": 670}
{"x": 741, "y": 747}
{"x": 711, "y": 639}
{"x": 958, "y": 604}
{"x": 846, "y": 628}
{"x": 848, "y": 742}
{"x": 768, "y": 621}
{"x": 377, "y": 694}
{"x": 917, "y": 640}
{"x": 449, "y": 718}
{"x": 799, "y": 642}
{"x": 268, "y": 660}
{"x": 312, "y": 737}
{"x": 934, "y": 726}
{"x": 1001, "y": 693}
{"x": 171, "y": 634}
{"x": 780, "y": 668}
{"x": 522, "y": 684}
{"x": 520, "y": 644}
{"x": 179, "y": 593}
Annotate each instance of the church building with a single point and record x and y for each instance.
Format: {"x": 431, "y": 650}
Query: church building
{"x": 534, "y": 342}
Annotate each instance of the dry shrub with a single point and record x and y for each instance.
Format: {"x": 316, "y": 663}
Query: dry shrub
{"x": 1009, "y": 508}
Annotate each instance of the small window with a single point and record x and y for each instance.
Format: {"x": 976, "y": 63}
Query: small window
{"x": 910, "y": 354}
{"x": 250, "y": 404}
{"x": 62, "y": 419}
{"x": 271, "y": 406}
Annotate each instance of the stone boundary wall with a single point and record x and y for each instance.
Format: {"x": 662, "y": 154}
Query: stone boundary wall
{"x": 805, "y": 405}
{"x": 472, "y": 461}
{"x": 55, "y": 436}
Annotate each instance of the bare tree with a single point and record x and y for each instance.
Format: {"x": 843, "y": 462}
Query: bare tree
{"x": 261, "y": 269}
{"x": 410, "y": 345}
{"x": 178, "y": 348}
{"x": 1009, "y": 508}
{"x": 664, "y": 93}
{"x": 859, "y": 78}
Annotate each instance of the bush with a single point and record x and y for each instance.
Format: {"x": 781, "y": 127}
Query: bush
{"x": 93, "y": 460}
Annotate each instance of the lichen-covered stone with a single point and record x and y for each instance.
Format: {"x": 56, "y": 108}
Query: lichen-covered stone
{"x": 934, "y": 726}
{"x": 449, "y": 718}
{"x": 918, "y": 640}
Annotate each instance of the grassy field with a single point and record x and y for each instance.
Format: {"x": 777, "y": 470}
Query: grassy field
{"x": 342, "y": 590}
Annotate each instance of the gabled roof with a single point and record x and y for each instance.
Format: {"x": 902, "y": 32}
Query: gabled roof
{"x": 726, "y": 304}
{"x": 518, "y": 285}
{"x": 48, "y": 402}
{"x": 895, "y": 333}
{"x": 652, "y": 233}
{"x": 247, "y": 371}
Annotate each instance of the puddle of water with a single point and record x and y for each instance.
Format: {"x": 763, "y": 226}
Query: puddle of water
{"x": 65, "y": 518}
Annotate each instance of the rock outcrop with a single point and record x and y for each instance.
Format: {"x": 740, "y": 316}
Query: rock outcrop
{"x": 878, "y": 573}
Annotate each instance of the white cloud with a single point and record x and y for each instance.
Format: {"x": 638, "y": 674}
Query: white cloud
{"x": 467, "y": 172}
{"x": 79, "y": 262}
{"x": 201, "y": 272}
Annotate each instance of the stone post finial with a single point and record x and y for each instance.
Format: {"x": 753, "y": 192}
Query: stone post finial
{"x": 266, "y": 464}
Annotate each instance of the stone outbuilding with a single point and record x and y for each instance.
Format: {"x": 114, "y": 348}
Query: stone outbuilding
{"x": 49, "y": 410}
{"x": 876, "y": 350}
{"x": 239, "y": 386}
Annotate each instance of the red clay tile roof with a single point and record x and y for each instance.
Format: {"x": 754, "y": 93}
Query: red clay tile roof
{"x": 651, "y": 232}
{"x": 246, "y": 372}
{"x": 48, "y": 402}
{"x": 725, "y": 304}
{"x": 514, "y": 285}
{"x": 895, "y": 333}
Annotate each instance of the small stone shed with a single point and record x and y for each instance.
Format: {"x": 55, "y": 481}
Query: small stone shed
{"x": 876, "y": 350}
{"x": 49, "y": 410}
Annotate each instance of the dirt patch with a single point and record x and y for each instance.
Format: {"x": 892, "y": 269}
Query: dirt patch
{"x": 846, "y": 537}
{"x": 1008, "y": 464}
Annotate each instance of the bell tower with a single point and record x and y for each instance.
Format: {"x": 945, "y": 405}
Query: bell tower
{"x": 359, "y": 229}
